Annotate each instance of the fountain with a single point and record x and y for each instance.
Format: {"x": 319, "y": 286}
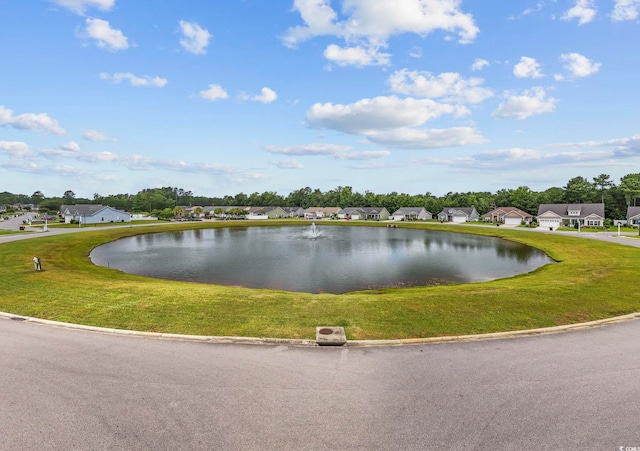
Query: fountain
{"x": 314, "y": 232}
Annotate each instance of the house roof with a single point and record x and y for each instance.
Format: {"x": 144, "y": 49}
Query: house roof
{"x": 81, "y": 209}
{"x": 563, "y": 210}
{"x": 511, "y": 211}
{"x": 633, "y": 212}
{"x": 410, "y": 210}
{"x": 454, "y": 210}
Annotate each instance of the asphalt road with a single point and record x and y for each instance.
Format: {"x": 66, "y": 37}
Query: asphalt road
{"x": 70, "y": 389}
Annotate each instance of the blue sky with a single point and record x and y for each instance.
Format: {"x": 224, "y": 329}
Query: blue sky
{"x": 227, "y": 96}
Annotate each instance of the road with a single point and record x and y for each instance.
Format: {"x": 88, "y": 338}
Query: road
{"x": 69, "y": 389}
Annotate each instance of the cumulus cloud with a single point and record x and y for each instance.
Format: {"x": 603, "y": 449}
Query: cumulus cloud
{"x": 213, "y": 93}
{"x": 527, "y": 68}
{"x": 80, "y": 6}
{"x": 38, "y": 122}
{"x": 583, "y": 10}
{"x": 15, "y": 149}
{"x": 449, "y": 86}
{"x": 96, "y": 136}
{"x": 336, "y": 151}
{"x": 579, "y": 66}
{"x": 479, "y": 64}
{"x": 625, "y": 10}
{"x": 371, "y": 24}
{"x": 71, "y": 146}
{"x": 195, "y": 39}
{"x": 266, "y": 95}
{"x": 358, "y": 56}
{"x": 377, "y": 113}
{"x": 106, "y": 37}
{"x": 134, "y": 80}
{"x": 532, "y": 102}
{"x": 394, "y": 122}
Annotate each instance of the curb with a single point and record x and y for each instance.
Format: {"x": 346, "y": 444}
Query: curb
{"x": 313, "y": 343}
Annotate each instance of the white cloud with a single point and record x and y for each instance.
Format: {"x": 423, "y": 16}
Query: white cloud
{"x": 370, "y": 24}
{"x": 195, "y": 39}
{"x": 356, "y": 56}
{"x": 377, "y": 113}
{"x": 106, "y": 37}
{"x": 290, "y": 163}
{"x": 578, "y": 65}
{"x": 479, "y": 64}
{"x": 15, "y": 149}
{"x": 38, "y": 122}
{"x": 135, "y": 80}
{"x": 338, "y": 152}
{"x": 583, "y": 10}
{"x": 266, "y": 96}
{"x": 625, "y": 10}
{"x": 449, "y": 86}
{"x": 213, "y": 93}
{"x": 532, "y": 102}
{"x": 414, "y": 138}
{"x": 71, "y": 146}
{"x": 96, "y": 136}
{"x": 527, "y": 68}
{"x": 80, "y": 6}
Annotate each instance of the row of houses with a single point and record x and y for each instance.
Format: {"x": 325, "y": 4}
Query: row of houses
{"x": 549, "y": 215}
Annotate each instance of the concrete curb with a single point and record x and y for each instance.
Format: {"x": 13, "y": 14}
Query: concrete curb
{"x": 313, "y": 343}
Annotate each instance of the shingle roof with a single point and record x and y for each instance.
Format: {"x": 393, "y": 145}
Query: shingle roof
{"x": 563, "y": 210}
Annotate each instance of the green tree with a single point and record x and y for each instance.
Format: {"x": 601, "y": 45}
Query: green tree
{"x": 579, "y": 190}
{"x": 630, "y": 187}
{"x": 602, "y": 182}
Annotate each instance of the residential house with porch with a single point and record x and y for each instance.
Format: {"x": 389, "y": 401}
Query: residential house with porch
{"x": 92, "y": 214}
{"x": 412, "y": 214}
{"x": 570, "y": 215}
{"x": 508, "y": 216}
{"x": 458, "y": 214}
{"x": 364, "y": 213}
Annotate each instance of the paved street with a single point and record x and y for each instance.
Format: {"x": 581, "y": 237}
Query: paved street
{"x": 71, "y": 389}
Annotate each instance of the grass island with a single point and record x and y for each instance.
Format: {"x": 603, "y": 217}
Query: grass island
{"x": 591, "y": 280}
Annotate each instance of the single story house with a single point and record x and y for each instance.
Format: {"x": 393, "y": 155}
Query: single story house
{"x": 92, "y": 214}
{"x": 508, "y": 216}
{"x": 556, "y": 215}
{"x": 412, "y": 214}
{"x": 321, "y": 212}
{"x": 294, "y": 212}
{"x": 458, "y": 214}
{"x": 266, "y": 213}
{"x": 633, "y": 215}
{"x": 366, "y": 213}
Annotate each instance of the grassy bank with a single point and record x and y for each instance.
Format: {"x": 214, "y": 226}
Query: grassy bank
{"x": 592, "y": 280}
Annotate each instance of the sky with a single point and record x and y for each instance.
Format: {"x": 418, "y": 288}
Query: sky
{"x": 222, "y": 97}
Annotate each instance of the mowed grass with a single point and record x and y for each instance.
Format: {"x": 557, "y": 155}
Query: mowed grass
{"x": 591, "y": 280}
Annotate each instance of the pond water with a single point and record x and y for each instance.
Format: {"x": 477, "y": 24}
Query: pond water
{"x": 327, "y": 259}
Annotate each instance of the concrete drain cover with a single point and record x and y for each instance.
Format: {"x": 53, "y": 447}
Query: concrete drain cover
{"x": 330, "y": 336}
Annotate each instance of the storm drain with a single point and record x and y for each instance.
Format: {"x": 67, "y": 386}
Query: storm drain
{"x": 330, "y": 336}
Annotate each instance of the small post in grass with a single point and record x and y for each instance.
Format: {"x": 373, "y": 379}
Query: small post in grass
{"x": 36, "y": 264}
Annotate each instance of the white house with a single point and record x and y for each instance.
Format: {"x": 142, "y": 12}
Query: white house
{"x": 556, "y": 215}
{"x": 92, "y": 214}
{"x": 412, "y": 214}
{"x": 458, "y": 214}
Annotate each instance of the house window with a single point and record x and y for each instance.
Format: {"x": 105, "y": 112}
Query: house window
{"x": 574, "y": 212}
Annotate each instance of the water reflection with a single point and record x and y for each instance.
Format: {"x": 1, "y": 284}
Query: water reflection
{"x": 341, "y": 259}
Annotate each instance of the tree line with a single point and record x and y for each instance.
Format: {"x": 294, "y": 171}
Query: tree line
{"x": 159, "y": 201}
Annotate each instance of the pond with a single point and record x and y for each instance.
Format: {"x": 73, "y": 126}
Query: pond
{"x": 319, "y": 259}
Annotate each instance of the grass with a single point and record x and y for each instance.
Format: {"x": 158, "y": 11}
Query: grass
{"x": 592, "y": 280}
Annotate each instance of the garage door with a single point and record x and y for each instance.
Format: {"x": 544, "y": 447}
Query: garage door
{"x": 512, "y": 221}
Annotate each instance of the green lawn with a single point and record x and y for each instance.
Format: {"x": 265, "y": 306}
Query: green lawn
{"x": 592, "y": 280}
